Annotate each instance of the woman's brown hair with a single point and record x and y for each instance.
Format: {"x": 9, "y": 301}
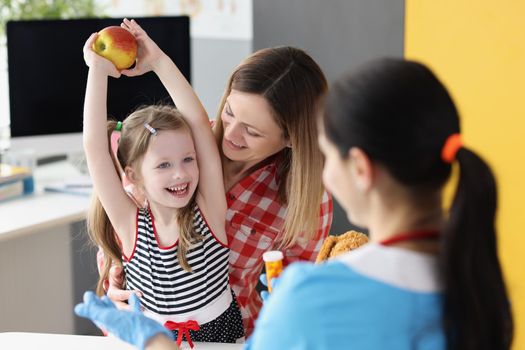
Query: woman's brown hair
{"x": 293, "y": 84}
{"x": 133, "y": 144}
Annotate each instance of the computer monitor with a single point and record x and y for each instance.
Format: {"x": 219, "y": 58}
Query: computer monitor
{"x": 47, "y": 78}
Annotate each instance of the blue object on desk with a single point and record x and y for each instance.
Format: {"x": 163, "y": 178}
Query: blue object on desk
{"x": 29, "y": 185}
{"x": 17, "y": 188}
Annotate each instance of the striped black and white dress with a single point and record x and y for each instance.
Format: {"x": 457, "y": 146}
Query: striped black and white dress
{"x": 171, "y": 294}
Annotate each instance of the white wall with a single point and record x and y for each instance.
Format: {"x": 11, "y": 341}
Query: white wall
{"x": 4, "y": 92}
{"x": 339, "y": 34}
{"x": 221, "y": 36}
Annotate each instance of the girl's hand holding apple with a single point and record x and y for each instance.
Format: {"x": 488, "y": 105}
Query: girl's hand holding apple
{"x": 148, "y": 53}
{"x": 117, "y": 45}
{"x": 95, "y": 61}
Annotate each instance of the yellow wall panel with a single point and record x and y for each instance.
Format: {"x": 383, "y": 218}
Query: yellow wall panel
{"x": 478, "y": 49}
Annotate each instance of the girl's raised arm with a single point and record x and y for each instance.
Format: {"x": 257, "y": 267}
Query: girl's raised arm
{"x": 107, "y": 184}
{"x": 211, "y": 186}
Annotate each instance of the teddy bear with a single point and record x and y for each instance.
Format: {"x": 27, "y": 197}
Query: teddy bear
{"x": 336, "y": 245}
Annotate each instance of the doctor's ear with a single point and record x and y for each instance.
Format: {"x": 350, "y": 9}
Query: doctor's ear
{"x": 361, "y": 167}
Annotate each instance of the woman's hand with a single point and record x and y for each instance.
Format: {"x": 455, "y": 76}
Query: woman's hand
{"x": 148, "y": 53}
{"x": 97, "y": 62}
{"x": 264, "y": 281}
{"x": 115, "y": 291}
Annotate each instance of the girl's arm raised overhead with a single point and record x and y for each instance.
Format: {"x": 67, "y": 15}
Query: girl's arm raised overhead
{"x": 211, "y": 186}
{"x": 107, "y": 184}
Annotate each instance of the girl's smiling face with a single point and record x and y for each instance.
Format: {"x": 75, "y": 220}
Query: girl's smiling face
{"x": 169, "y": 169}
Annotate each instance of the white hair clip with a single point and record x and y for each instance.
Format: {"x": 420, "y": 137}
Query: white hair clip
{"x": 150, "y": 129}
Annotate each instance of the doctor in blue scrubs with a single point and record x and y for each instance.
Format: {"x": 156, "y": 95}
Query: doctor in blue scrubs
{"x": 430, "y": 278}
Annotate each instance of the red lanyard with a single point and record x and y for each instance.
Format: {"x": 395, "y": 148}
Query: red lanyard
{"x": 410, "y": 236}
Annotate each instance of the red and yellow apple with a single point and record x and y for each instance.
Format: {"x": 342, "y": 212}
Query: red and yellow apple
{"x": 117, "y": 45}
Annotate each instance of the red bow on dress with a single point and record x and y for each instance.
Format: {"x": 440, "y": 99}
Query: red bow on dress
{"x": 183, "y": 328}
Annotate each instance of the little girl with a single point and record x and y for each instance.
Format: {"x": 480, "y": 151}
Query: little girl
{"x": 174, "y": 250}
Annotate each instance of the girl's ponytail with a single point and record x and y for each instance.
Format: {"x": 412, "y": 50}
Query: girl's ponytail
{"x": 477, "y": 313}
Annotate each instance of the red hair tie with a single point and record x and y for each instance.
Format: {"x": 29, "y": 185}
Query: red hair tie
{"x": 451, "y": 148}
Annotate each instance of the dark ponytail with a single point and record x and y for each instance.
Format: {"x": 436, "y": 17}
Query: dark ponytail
{"x": 477, "y": 314}
{"x": 401, "y": 115}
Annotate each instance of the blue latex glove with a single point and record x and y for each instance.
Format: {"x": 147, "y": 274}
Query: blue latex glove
{"x": 265, "y": 294}
{"x": 131, "y": 326}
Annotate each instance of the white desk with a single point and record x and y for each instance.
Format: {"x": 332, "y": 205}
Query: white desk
{"x": 40, "y": 341}
{"x": 43, "y": 210}
{"x": 39, "y": 256}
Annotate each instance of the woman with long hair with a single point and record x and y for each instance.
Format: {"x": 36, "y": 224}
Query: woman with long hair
{"x": 266, "y": 129}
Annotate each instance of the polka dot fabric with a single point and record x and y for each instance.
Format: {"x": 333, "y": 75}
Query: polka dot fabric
{"x": 227, "y": 328}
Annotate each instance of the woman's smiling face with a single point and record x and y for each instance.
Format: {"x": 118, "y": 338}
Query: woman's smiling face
{"x": 250, "y": 131}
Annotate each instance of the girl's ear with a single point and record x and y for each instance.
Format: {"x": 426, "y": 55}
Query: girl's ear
{"x": 362, "y": 168}
{"x": 132, "y": 175}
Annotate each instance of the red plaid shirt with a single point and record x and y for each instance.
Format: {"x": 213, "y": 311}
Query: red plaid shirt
{"x": 254, "y": 223}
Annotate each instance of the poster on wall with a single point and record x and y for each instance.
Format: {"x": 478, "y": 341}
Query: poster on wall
{"x": 218, "y": 19}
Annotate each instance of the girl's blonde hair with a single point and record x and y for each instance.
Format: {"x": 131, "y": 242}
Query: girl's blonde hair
{"x": 293, "y": 85}
{"x": 133, "y": 144}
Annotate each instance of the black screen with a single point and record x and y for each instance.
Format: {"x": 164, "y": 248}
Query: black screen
{"x": 47, "y": 73}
